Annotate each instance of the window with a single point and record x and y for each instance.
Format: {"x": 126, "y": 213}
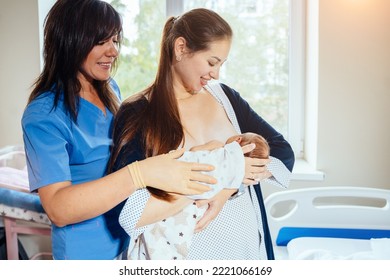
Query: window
{"x": 266, "y": 62}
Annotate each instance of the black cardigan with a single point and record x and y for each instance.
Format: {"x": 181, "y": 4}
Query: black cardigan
{"x": 250, "y": 121}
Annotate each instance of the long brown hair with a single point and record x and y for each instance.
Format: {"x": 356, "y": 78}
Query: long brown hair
{"x": 72, "y": 29}
{"x": 162, "y": 130}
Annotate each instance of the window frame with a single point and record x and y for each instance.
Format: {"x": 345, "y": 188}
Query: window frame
{"x": 297, "y": 50}
{"x": 297, "y": 76}
{"x": 297, "y": 66}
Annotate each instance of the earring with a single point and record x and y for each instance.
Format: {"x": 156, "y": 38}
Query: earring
{"x": 178, "y": 58}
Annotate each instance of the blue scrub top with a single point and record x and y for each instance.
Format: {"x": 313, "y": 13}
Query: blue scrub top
{"x": 58, "y": 150}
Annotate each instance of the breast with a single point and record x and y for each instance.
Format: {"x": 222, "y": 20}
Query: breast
{"x": 204, "y": 120}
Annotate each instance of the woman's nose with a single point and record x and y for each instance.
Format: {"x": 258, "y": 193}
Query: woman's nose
{"x": 112, "y": 50}
{"x": 214, "y": 74}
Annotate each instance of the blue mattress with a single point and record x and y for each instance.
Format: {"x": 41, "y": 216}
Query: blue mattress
{"x": 23, "y": 200}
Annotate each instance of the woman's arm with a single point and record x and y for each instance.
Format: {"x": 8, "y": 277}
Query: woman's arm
{"x": 157, "y": 209}
{"x": 67, "y": 203}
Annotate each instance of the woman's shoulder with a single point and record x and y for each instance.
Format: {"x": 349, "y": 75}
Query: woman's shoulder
{"x": 44, "y": 105}
{"x": 221, "y": 88}
{"x": 42, "y": 114}
{"x": 229, "y": 91}
{"x": 131, "y": 109}
{"x": 136, "y": 103}
{"x": 115, "y": 87}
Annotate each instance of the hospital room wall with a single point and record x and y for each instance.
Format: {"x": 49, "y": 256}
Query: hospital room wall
{"x": 349, "y": 81}
{"x": 19, "y": 50}
{"x": 351, "y": 87}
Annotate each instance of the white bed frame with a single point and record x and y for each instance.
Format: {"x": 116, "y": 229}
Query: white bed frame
{"x": 332, "y": 212}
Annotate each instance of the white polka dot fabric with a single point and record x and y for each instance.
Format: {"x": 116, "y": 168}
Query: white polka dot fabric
{"x": 230, "y": 167}
{"x": 131, "y": 213}
{"x": 281, "y": 175}
{"x": 232, "y": 235}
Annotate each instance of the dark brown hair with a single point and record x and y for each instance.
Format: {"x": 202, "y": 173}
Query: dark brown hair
{"x": 160, "y": 123}
{"x": 72, "y": 29}
{"x": 262, "y": 149}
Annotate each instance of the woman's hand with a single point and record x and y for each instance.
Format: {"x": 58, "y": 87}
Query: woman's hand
{"x": 166, "y": 173}
{"x": 255, "y": 168}
{"x": 215, "y": 204}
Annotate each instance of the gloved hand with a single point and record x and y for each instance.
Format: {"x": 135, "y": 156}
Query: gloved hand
{"x": 167, "y": 173}
{"x": 255, "y": 168}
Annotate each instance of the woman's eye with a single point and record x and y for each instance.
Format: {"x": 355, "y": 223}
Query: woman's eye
{"x": 211, "y": 64}
{"x": 101, "y": 43}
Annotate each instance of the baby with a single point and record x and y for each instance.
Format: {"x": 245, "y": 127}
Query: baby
{"x": 229, "y": 161}
{"x": 171, "y": 238}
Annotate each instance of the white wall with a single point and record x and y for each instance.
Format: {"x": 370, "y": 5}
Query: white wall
{"x": 19, "y": 49}
{"x": 19, "y": 67}
{"x": 353, "y": 90}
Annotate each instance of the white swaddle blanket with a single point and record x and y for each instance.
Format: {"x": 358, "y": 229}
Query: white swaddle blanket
{"x": 13, "y": 169}
{"x": 230, "y": 167}
{"x": 171, "y": 238}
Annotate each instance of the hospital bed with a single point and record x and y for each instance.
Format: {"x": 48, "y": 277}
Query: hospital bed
{"x": 21, "y": 212}
{"x": 335, "y": 222}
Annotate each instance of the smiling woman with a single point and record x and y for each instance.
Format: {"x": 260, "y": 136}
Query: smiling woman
{"x": 268, "y": 50}
{"x": 67, "y": 137}
{"x": 67, "y": 127}
{"x": 183, "y": 107}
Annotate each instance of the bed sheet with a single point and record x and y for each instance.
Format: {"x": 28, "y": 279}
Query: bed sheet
{"x": 318, "y": 248}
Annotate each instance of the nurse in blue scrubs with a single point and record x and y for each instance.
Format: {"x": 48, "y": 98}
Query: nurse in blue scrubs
{"x": 67, "y": 128}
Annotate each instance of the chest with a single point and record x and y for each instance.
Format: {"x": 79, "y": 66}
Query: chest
{"x": 204, "y": 119}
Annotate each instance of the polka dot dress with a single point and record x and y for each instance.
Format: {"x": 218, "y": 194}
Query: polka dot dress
{"x": 232, "y": 235}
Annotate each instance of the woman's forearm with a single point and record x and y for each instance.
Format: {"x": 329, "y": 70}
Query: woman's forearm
{"x": 66, "y": 204}
{"x": 157, "y": 209}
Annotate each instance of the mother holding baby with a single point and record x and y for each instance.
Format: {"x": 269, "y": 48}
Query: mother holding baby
{"x": 182, "y": 108}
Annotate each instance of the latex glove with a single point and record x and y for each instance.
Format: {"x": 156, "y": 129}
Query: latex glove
{"x": 166, "y": 173}
{"x": 215, "y": 204}
{"x": 255, "y": 169}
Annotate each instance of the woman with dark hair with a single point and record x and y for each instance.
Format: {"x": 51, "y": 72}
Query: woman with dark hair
{"x": 67, "y": 128}
{"x": 183, "y": 108}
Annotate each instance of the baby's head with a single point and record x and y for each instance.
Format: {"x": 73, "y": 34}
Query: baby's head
{"x": 262, "y": 148}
